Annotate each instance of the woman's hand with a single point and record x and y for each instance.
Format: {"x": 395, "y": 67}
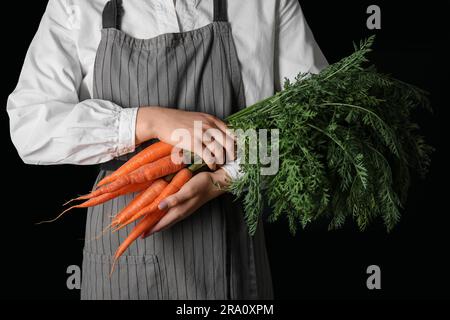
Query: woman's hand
{"x": 202, "y": 188}
{"x": 210, "y": 140}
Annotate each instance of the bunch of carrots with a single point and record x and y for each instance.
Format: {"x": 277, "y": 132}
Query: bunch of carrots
{"x": 153, "y": 173}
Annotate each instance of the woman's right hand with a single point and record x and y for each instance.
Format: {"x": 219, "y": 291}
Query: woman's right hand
{"x": 210, "y": 139}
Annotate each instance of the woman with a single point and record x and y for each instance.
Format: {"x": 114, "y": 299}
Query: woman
{"x": 101, "y": 78}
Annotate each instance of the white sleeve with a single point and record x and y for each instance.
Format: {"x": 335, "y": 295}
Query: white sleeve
{"x": 296, "y": 50}
{"x": 233, "y": 169}
{"x": 48, "y": 122}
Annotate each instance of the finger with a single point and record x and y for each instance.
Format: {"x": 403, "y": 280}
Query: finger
{"x": 224, "y": 128}
{"x": 230, "y": 138}
{"x": 223, "y": 140}
{"x": 180, "y": 156}
{"x": 176, "y": 215}
{"x": 169, "y": 219}
{"x": 176, "y": 199}
{"x": 208, "y": 158}
{"x": 197, "y": 151}
{"x": 217, "y": 152}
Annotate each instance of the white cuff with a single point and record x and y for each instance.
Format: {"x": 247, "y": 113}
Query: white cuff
{"x": 233, "y": 169}
{"x": 127, "y": 131}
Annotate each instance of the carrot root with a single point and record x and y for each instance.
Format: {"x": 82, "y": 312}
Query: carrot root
{"x": 113, "y": 266}
{"x": 58, "y": 216}
{"x": 99, "y": 235}
{"x": 70, "y": 201}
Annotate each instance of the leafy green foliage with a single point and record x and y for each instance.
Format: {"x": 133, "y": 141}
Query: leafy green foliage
{"x": 347, "y": 146}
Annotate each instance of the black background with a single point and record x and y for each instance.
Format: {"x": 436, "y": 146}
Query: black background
{"x": 315, "y": 263}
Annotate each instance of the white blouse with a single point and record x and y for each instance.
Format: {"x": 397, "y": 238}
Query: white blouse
{"x": 54, "y": 120}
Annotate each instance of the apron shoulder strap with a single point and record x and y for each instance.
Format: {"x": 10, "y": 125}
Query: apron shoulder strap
{"x": 112, "y": 14}
{"x": 113, "y": 11}
{"x": 220, "y": 10}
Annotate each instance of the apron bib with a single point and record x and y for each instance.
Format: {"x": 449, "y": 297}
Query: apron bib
{"x": 209, "y": 255}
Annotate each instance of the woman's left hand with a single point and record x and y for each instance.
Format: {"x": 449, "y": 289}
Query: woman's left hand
{"x": 202, "y": 188}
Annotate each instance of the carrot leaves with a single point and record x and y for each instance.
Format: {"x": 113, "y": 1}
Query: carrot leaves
{"x": 347, "y": 147}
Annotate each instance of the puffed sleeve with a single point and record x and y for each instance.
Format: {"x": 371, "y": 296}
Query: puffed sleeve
{"x": 296, "y": 50}
{"x": 48, "y": 122}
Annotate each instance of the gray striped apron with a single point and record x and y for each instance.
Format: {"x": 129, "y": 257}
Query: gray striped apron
{"x": 208, "y": 255}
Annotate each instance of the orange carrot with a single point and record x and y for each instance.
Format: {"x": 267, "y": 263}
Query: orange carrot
{"x": 180, "y": 179}
{"x": 147, "y": 197}
{"x": 145, "y": 224}
{"x": 148, "y": 172}
{"x": 115, "y": 193}
{"x": 104, "y": 198}
{"x": 135, "y": 187}
{"x": 152, "y": 153}
{"x": 152, "y": 217}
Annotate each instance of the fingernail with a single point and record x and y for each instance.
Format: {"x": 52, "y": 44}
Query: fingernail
{"x": 163, "y": 205}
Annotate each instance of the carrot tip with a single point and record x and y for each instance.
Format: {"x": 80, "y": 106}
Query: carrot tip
{"x": 116, "y": 228}
{"x": 57, "y": 217}
{"x": 113, "y": 266}
{"x": 145, "y": 235}
{"x": 100, "y": 184}
{"x": 80, "y": 197}
{"x": 70, "y": 201}
{"x": 101, "y": 234}
{"x": 120, "y": 227}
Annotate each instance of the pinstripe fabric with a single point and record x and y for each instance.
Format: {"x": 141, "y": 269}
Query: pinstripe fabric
{"x": 209, "y": 255}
